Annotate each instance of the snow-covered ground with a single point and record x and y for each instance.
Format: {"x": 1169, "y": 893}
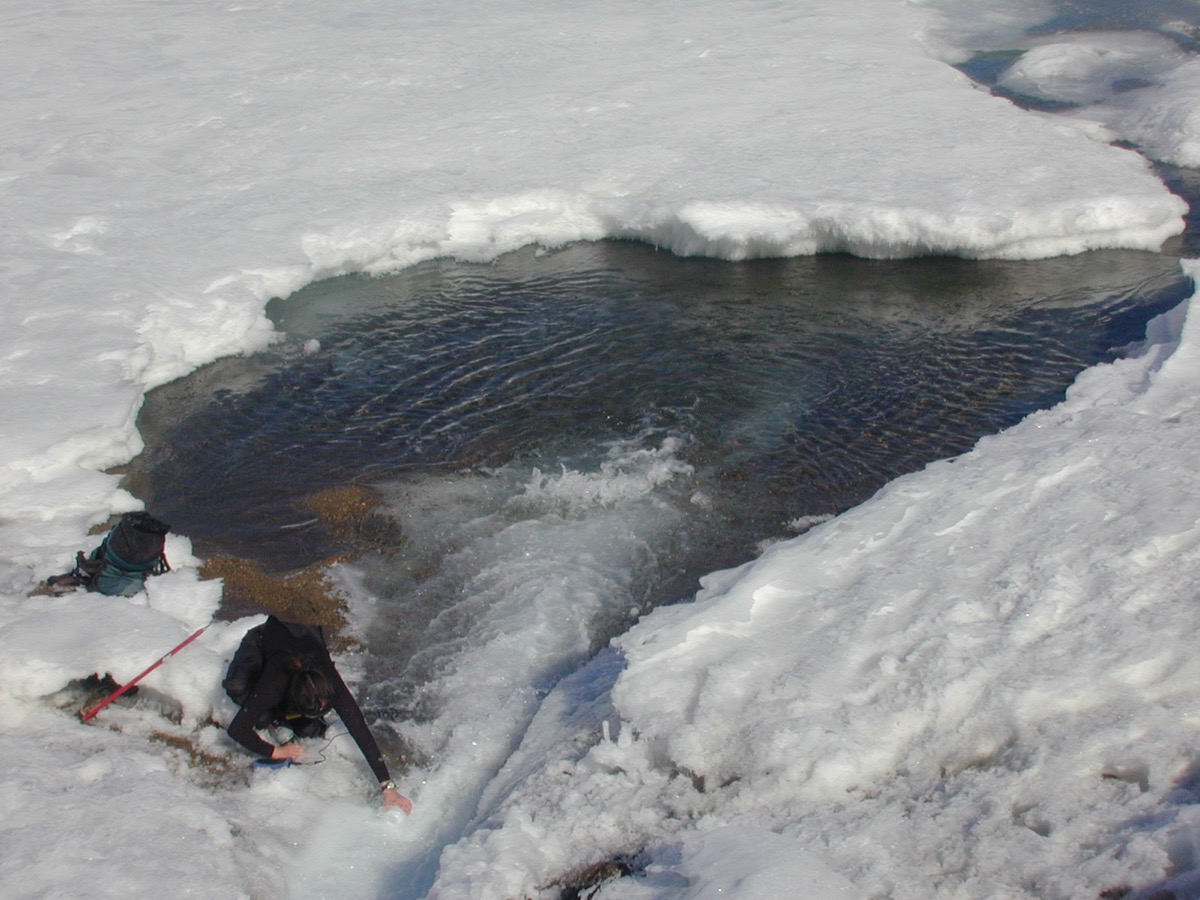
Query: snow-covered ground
{"x": 979, "y": 683}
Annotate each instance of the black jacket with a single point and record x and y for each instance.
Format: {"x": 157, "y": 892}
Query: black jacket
{"x": 281, "y": 644}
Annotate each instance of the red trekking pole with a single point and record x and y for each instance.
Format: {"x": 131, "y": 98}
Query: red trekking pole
{"x": 87, "y": 714}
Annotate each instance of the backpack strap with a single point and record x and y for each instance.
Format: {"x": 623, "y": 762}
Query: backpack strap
{"x": 87, "y": 567}
{"x": 158, "y": 566}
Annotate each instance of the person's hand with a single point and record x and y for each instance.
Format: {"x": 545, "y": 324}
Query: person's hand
{"x": 288, "y": 751}
{"x": 393, "y": 799}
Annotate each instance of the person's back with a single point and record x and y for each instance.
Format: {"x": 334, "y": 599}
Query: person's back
{"x": 290, "y": 662}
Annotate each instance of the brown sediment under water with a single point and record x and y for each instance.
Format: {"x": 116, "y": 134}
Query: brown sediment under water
{"x": 308, "y": 594}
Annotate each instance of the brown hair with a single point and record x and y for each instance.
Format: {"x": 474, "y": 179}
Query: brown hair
{"x": 310, "y": 693}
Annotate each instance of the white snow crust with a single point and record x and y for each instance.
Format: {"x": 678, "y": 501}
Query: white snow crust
{"x": 979, "y": 683}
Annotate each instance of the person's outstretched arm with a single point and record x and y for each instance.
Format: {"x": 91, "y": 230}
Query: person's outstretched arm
{"x": 348, "y": 709}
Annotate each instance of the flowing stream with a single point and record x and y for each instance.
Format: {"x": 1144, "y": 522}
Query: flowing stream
{"x": 661, "y": 417}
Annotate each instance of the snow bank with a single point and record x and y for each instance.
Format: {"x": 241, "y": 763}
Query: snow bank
{"x": 1142, "y": 87}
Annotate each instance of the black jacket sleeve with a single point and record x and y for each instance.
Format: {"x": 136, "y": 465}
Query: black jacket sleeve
{"x": 351, "y": 715}
{"x": 267, "y": 694}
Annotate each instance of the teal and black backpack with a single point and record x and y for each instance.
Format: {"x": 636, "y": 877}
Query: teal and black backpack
{"x": 133, "y": 549}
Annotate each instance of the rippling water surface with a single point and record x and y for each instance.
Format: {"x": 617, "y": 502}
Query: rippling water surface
{"x": 792, "y": 388}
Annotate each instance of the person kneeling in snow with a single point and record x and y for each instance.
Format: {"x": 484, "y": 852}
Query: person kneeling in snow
{"x": 282, "y": 674}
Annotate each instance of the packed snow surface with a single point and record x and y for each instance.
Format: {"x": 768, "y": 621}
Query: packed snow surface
{"x": 979, "y": 683}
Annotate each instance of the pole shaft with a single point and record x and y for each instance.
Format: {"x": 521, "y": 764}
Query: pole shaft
{"x": 86, "y": 715}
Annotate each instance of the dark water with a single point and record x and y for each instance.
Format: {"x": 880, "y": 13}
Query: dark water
{"x": 795, "y": 388}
